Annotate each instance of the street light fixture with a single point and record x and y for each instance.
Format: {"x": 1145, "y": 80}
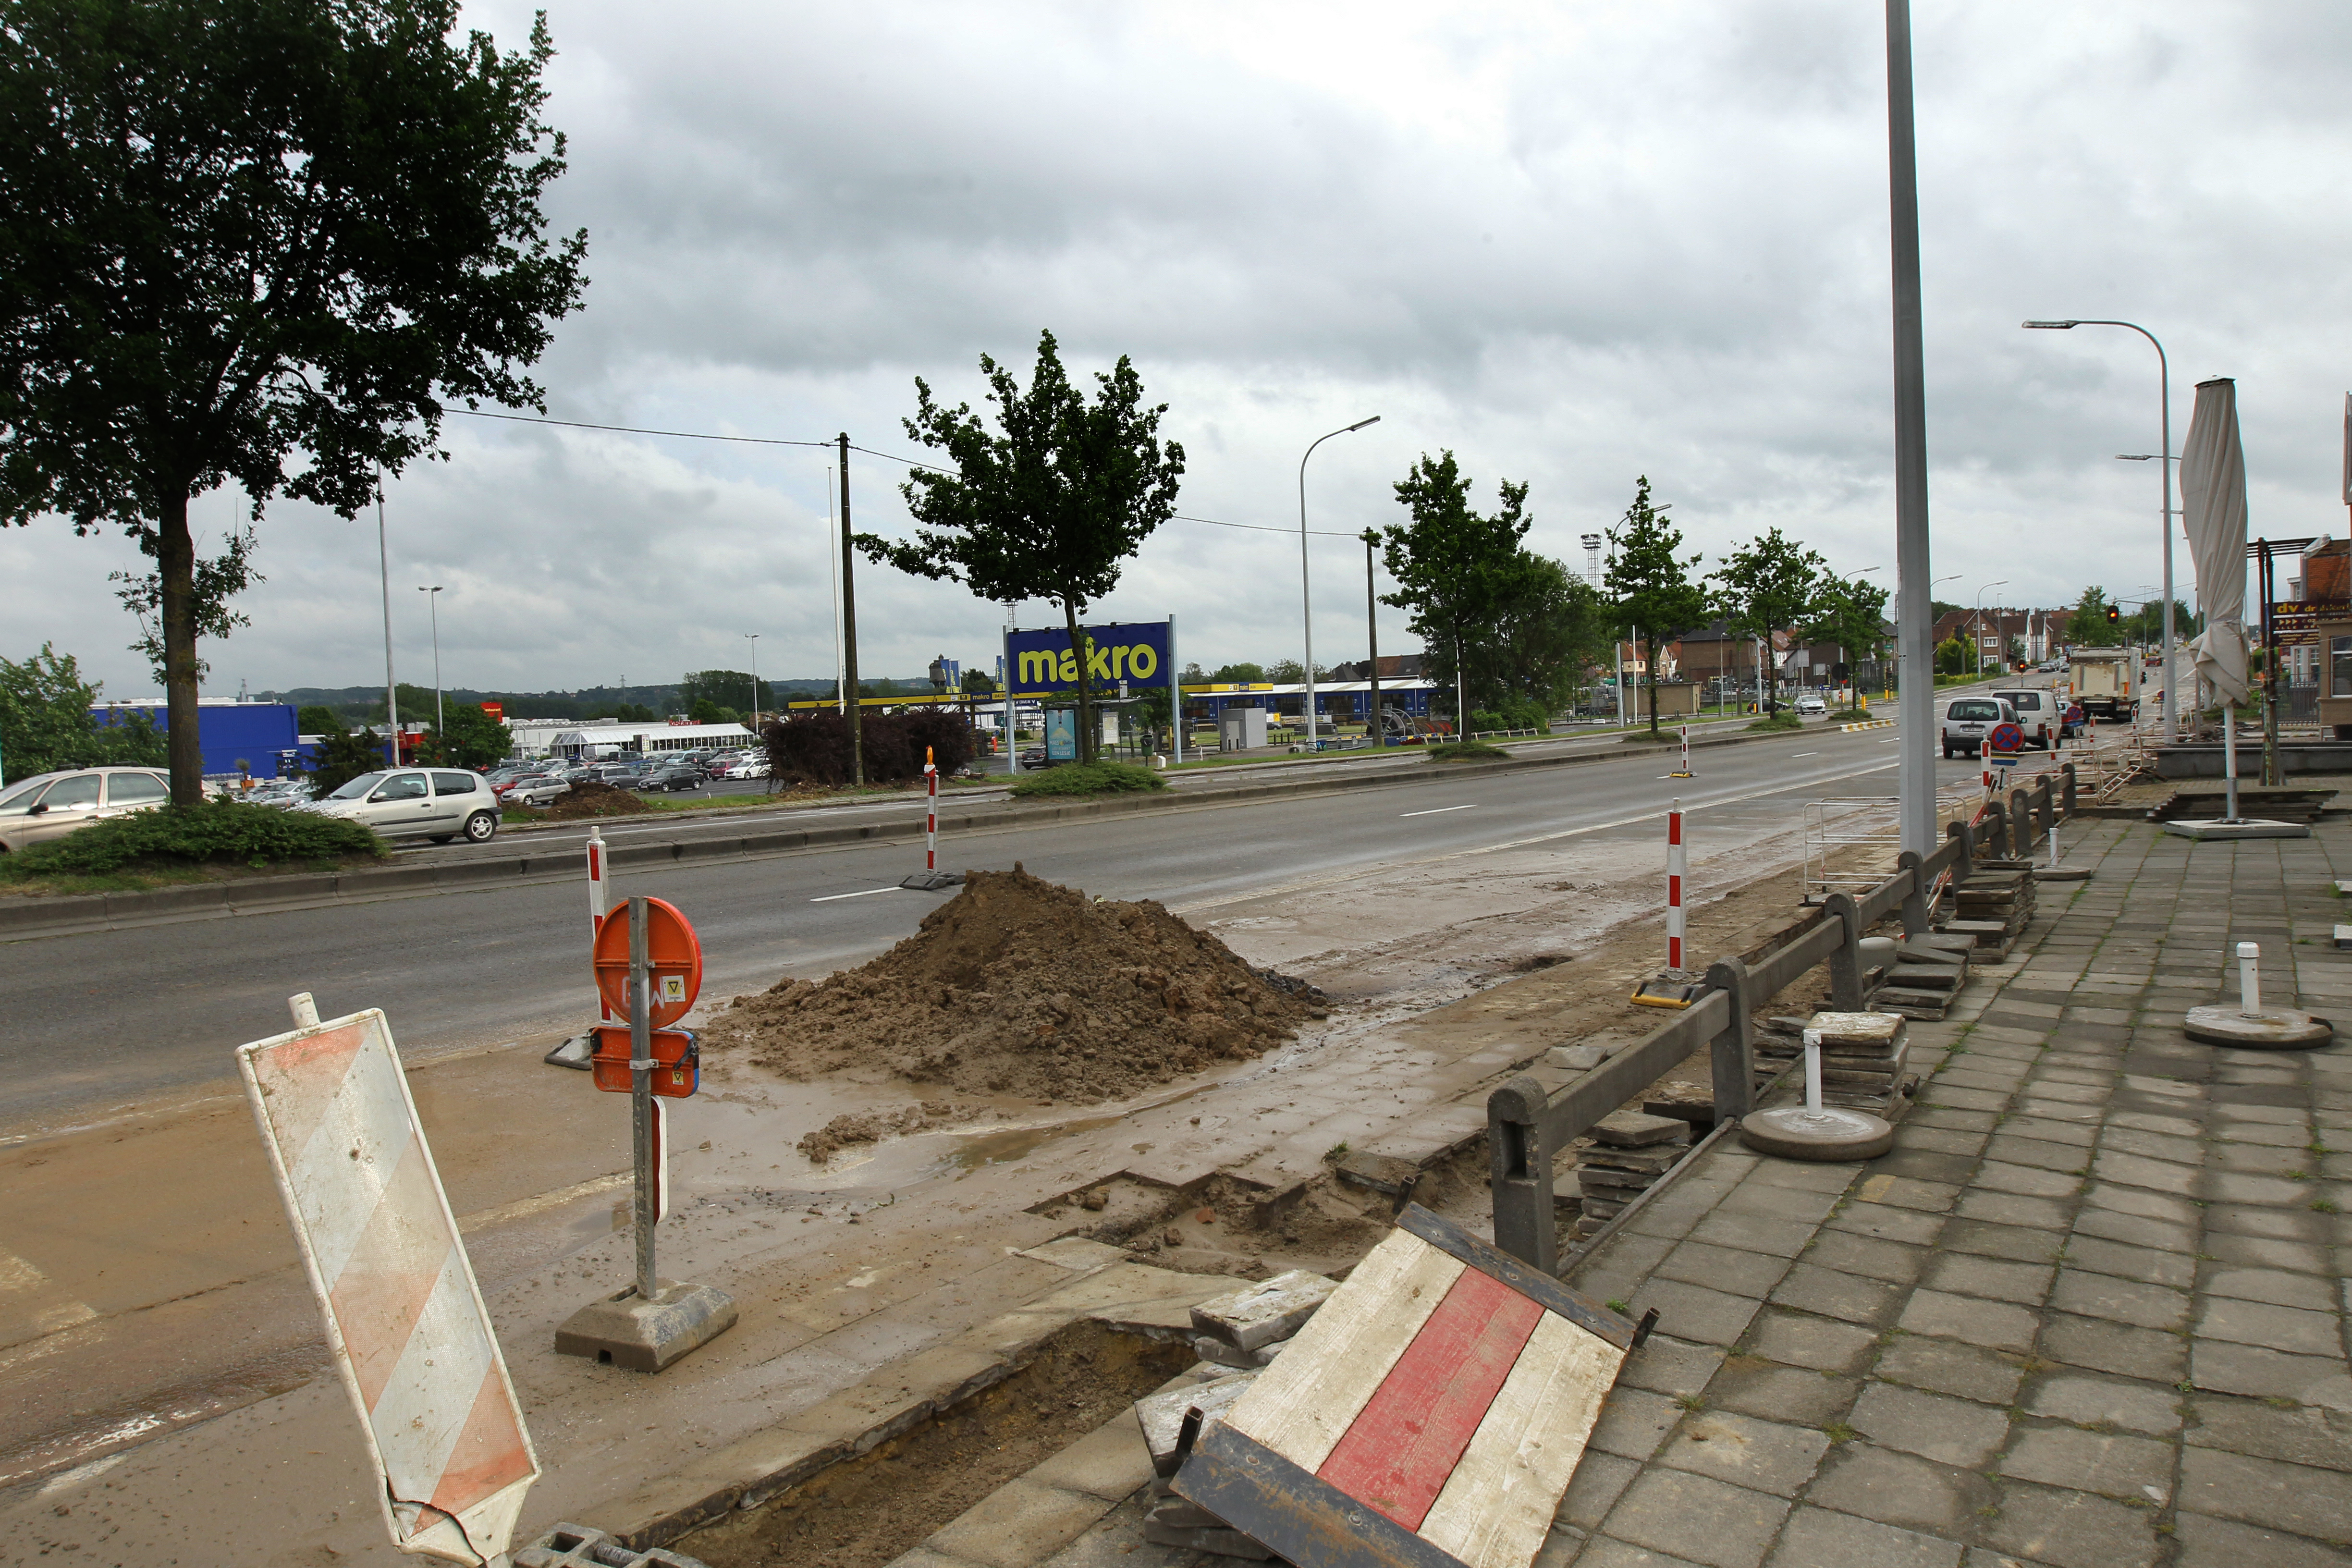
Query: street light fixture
{"x": 1977, "y": 621}
{"x": 754, "y": 639}
{"x": 1305, "y": 598}
{"x": 2164, "y": 518}
{"x": 433, "y": 598}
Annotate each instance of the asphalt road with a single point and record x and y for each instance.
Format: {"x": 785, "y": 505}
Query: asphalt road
{"x": 102, "y": 1020}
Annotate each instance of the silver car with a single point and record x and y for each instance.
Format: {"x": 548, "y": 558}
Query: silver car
{"x": 438, "y": 804}
{"x": 50, "y": 805}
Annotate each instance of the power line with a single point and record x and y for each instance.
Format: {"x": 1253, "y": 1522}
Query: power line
{"x": 829, "y": 446}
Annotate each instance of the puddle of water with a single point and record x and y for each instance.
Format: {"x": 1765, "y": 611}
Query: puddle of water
{"x": 977, "y": 1151}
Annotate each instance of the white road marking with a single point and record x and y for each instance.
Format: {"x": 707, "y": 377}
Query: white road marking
{"x": 1794, "y": 755}
{"x": 1437, "y": 810}
{"x": 865, "y": 893}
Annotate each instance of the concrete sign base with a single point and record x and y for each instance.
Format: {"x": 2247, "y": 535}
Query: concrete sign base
{"x": 625, "y": 1331}
{"x": 2271, "y": 1029}
{"x": 2217, "y": 828}
{"x": 1794, "y": 1133}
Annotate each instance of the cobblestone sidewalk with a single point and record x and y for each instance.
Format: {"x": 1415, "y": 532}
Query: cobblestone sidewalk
{"x": 2089, "y": 1313}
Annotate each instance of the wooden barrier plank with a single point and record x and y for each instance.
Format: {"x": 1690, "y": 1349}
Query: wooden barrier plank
{"x": 1553, "y": 1296}
{"x": 1599, "y": 1092}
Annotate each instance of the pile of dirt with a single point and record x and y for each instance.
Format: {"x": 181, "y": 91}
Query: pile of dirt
{"x": 872, "y": 1127}
{"x": 591, "y": 798}
{"x": 1017, "y": 986}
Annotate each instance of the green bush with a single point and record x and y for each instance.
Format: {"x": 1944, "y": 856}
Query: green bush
{"x": 1464, "y": 751}
{"x": 219, "y": 832}
{"x": 1088, "y": 778}
{"x": 1786, "y": 719}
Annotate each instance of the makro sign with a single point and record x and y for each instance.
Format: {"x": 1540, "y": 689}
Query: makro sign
{"x": 1042, "y": 662}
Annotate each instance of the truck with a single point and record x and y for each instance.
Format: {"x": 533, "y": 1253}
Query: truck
{"x": 2106, "y": 681}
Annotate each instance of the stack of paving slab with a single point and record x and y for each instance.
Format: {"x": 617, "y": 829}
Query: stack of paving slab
{"x": 1862, "y": 1056}
{"x": 1926, "y": 977}
{"x": 1237, "y": 1334}
{"x": 1991, "y": 907}
{"x": 1630, "y": 1151}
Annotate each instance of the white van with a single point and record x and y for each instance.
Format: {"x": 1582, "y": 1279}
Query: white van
{"x": 2040, "y": 713}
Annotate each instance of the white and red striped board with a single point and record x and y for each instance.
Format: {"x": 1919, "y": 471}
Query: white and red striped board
{"x": 1429, "y": 1415}
{"x": 405, "y": 1318}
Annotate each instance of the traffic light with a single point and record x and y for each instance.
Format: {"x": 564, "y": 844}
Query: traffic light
{"x": 2115, "y": 614}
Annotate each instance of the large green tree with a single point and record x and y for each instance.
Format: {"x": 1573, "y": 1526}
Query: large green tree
{"x": 471, "y": 738}
{"x": 1050, "y": 504}
{"x": 1455, "y": 567}
{"x": 1650, "y": 584}
{"x": 1766, "y": 586}
{"x": 259, "y": 243}
{"x": 1547, "y": 630}
{"x": 1852, "y": 613}
{"x": 2087, "y": 625}
{"x": 47, "y": 724}
{"x": 727, "y": 689}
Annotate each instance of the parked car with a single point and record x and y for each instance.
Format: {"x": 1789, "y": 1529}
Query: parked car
{"x": 672, "y": 778}
{"x": 1809, "y": 705}
{"x": 284, "y": 793}
{"x": 537, "y": 789}
{"x": 50, "y": 805}
{"x": 438, "y": 804}
{"x": 1970, "y": 720}
{"x": 2039, "y": 713}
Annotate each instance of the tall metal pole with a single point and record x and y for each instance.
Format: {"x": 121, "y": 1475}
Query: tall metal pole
{"x": 1372, "y": 638}
{"x": 641, "y": 1100}
{"x": 1305, "y": 597}
{"x": 1915, "y": 619}
{"x": 753, "y": 638}
{"x": 433, "y": 599}
{"x": 391, "y": 691}
{"x": 849, "y": 632}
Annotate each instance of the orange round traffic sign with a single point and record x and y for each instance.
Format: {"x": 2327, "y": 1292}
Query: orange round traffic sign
{"x": 673, "y": 962}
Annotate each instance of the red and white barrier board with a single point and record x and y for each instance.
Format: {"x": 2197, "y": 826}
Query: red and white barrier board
{"x": 1430, "y": 1413}
{"x": 405, "y": 1318}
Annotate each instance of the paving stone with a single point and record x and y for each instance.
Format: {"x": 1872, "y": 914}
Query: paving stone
{"x": 2300, "y": 1435}
{"x": 2223, "y": 1543}
{"x": 2072, "y": 1529}
{"x": 2138, "y": 1171}
{"x": 1925, "y": 1165}
{"x": 1854, "y": 1254}
{"x": 1633, "y": 1422}
{"x": 2010, "y": 1241}
{"x": 1818, "y": 1538}
{"x": 1021, "y": 1523}
{"x": 1933, "y": 1426}
{"x": 2117, "y": 1198}
{"x": 1670, "y": 1366}
{"x": 1110, "y": 1462}
{"x": 2154, "y": 1145}
{"x": 1599, "y": 1478}
{"x": 1794, "y": 1204}
{"x": 2261, "y": 1159}
{"x": 2133, "y": 1231}
{"x": 1765, "y": 1456}
{"x": 1959, "y": 1120}
{"x": 1695, "y": 1312}
{"x": 2288, "y": 1329}
{"x": 1805, "y": 1174}
{"x": 2102, "y": 1257}
{"x": 2040, "y": 1155}
{"x": 2081, "y": 1134}
{"x": 2280, "y": 1225}
{"x": 2238, "y": 1187}
{"x": 2224, "y": 1367}
{"x": 1728, "y": 1267}
{"x": 1912, "y": 1227}
{"x": 2008, "y": 1209}
{"x": 1793, "y": 1393}
{"x": 2298, "y": 1498}
{"x": 1942, "y": 1140}
{"x": 2026, "y": 1180}
{"x": 2102, "y": 1346}
{"x": 1996, "y": 1279}
{"x": 1782, "y": 1238}
{"x": 1797, "y": 1339}
{"x": 1949, "y": 1367}
{"x": 2139, "y": 1469}
{"x": 2090, "y": 1401}
{"x": 1854, "y": 1298}
{"x": 2093, "y": 1295}
{"x": 1995, "y": 1324}
{"x": 1901, "y": 1489}
{"x": 1697, "y": 1518}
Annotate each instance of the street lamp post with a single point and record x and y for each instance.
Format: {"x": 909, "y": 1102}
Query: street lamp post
{"x": 1372, "y": 643}
{"x": 1305, "y": 598}
{"x": 2164, "y": 517}
{"x": 1916, "y": 792}
{"x": 391, "y": 687}
{"x": 1975, "y": 622}
{"x": 753, "y": 638}
{"x": 433, "y": 598}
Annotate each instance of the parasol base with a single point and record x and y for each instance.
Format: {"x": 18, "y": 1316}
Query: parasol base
{"x": 2245, "y": 828}
{"x": 1794, "y": 1133}
{"x": 2271, "y": 1029}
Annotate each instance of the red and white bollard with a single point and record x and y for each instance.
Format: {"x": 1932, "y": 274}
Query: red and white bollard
{"x": 1685, "y": 771}
{"x": 598, "y": 903}
{"x": 1675, "y": 867}
{"x": 930, "y": 879}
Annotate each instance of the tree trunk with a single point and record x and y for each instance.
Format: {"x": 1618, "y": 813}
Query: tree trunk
{"x": 1086, "y": 735}
{"x": 175, "y": 557}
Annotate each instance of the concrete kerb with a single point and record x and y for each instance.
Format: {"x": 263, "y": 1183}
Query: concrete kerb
{"x": 26, "y": 918}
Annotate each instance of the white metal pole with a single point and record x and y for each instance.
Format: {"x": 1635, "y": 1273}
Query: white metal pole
{"x": 391, "y": 688}
{"x": 1813, "y": 1072}
{"x": 753, "y": 638}
{"x": 1914, "y": 617}
{"x": 2250, "y": 979}
{"x": 1305, "y": 600}
{"x": 2229, "y": 754}
{"x": 641, "y": 1100}
{"x": 1175, "y": 697}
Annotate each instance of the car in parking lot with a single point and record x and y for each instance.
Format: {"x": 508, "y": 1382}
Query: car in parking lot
{"x": 438, "y": 804}
{"x": 672, "y": 777}
{"x": 534, "y": 789}
{"x": 1970, "y": 720}
{"x": 50, "y": 805}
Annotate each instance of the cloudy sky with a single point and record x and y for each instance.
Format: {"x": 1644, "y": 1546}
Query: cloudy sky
{"x": 1575, "y": 243}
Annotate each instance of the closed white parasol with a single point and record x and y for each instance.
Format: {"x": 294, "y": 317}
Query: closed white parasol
{"x": 2213, "y": 512}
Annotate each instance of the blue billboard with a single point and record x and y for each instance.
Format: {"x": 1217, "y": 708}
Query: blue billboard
{"x": 1040, "y": 663}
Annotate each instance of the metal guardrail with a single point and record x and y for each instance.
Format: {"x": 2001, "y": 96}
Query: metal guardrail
{"x": 1527, "y": 1126}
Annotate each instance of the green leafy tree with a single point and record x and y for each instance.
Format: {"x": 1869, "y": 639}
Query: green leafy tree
{"x": 979, "y": 683}
{"x": 1954, "y": 657}
{"x": 1235, "y": 675}
{"x": 470, "y": 738}
{"x": 1547, "y": 631}
{"x": 344, "y": 756}
{"x": 240, "y": 231}
{"x": 47, "y": 724}
{"x": 1766, "y": 586}
{"x": 1455, "y": 567}
{"x": 2087, "y": 625}
{"x": 1850, "y": 612}
{"x": 1649, "y": 584}
{"x": 706, "y": 711}
{"x": 1050, "y": 505}
{"x": 317, "y": 719}
{"x": 727, "y": 688}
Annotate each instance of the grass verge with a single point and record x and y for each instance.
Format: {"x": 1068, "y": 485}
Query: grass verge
{"x": 1086, "y": 779}
{"x": 192, "y": 843}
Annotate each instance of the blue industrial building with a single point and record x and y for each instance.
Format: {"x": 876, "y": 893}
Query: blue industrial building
{"x": 237, "y": 737}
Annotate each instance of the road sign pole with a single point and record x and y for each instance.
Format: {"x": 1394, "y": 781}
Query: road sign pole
{"x": 641, "y": 1099}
